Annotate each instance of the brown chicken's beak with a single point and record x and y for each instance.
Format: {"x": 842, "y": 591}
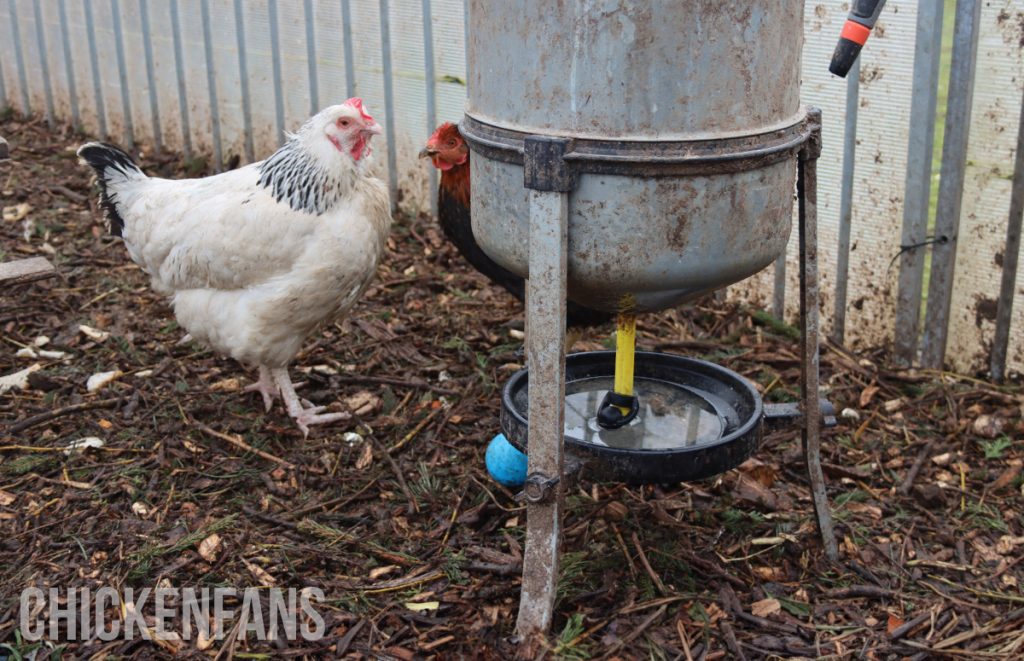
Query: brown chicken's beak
{"x": 427, "y": 152}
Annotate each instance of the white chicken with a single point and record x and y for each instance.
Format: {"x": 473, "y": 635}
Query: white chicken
{"x": 255, "y": 258}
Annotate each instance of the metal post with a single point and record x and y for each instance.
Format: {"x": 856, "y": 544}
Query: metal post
{"x": 275, "y": 59}
{"x": 545, "y": 346}
{"x": 94, "y": 63}
{"x": 122, "y": 75}
{"x": 846, "y": 202}
{"x": 19, "y": 58}
{"x": 951, "y": 185}
{"x": 550, "y": 181}
{"x": 389, "y": 102}
{"x": 147, "y": 48}
{"x": 3, "y": 90}
{"x": 211, "y": 85}
{"x": 807, "y": 194}
{"x": 350, "y": 58}
{"x": 431, "y": 92}
{"x": 314, "y": 82}
{"x": 779, "y": 289}
{"x": 69, "y": 69}
{"x": 44, "y": 65}
{"x": 1007, "y": 289}
{"x": 243, "y": 79}
{"x": 179, "y": 66}
{"x": 920, "y": 142}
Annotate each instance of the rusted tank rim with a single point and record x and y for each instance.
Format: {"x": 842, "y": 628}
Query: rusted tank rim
{"x": 647, "y": 158}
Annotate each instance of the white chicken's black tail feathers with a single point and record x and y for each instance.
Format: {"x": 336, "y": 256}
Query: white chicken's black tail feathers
{"x": 113, "y": 166}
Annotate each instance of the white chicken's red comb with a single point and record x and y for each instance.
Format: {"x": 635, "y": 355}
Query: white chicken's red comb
{"x": 357, "y": 103}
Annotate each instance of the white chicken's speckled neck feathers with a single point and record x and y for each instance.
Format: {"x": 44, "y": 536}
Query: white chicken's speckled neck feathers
{"x": 307, "y": 173}
{"x": 300, "y": 180}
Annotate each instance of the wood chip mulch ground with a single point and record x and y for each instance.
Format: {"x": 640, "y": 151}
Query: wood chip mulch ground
{"x": 189, "y": 483}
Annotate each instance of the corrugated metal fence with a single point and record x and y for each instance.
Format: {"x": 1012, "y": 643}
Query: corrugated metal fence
{"x": 226, "y": 78}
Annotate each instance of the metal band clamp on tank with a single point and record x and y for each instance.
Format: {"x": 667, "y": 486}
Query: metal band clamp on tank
{"x": 637, "y": 198}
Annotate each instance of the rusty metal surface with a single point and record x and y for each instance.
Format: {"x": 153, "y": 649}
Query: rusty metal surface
{"x": 807, "y": 194}
{"x": 983, "y": 256}
{"x": 545, "y": 350}
{"x": 1011, "y": 252}
{"x": 920, "y": 145}
{"x": 846, "y": 202}
{"x": 684, "y": 185}
{"x": 951, "y": 183}
{"x": 660, "y": 240}
{"x": 627, "y": 69}
{"x": 779, "y": 288}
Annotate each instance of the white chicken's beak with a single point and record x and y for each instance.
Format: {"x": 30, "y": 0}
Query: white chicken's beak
{"x": 373, "y": 129}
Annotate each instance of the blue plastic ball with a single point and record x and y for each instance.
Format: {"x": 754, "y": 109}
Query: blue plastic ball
{"x": 506, "y": 464}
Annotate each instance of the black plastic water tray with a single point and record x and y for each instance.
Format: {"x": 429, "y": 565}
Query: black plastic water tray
{"x": 735, "y": 399}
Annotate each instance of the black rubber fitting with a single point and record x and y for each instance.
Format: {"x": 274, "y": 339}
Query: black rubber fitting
{"x": 610, "y": 415}
{"x": 844, "y": 56}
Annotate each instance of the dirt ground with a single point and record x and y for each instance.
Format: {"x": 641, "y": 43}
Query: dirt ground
{"x": 393, "y": 515}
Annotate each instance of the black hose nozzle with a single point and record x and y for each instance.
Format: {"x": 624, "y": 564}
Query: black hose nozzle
{"x": 856, "y": 31}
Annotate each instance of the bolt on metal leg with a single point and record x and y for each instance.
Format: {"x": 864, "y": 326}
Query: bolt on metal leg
{"x": 807, "y": 193}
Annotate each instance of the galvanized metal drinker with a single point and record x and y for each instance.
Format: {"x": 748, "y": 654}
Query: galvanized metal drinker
{"x": 634, "y": 159}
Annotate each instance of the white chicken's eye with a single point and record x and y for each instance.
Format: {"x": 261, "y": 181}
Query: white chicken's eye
{"x": 343, "y": 123}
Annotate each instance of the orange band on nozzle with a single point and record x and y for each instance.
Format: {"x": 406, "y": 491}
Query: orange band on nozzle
{"x": 855, "y": 32}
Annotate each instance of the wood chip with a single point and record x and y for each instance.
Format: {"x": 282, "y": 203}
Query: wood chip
{"x": 100, "y": 380}
{"x": 1008, "y": 475}
{"x": 261, "y": 574}
{"x": 765, "y": 607}
{"x": 18, "y": 380}
{"x": 209, "y": 547}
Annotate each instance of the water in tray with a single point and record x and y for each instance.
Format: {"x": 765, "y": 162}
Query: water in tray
{"x": 670, "y": 417}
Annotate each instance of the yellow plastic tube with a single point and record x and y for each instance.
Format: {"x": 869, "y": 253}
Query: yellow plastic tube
{"x": 625, "y": 346}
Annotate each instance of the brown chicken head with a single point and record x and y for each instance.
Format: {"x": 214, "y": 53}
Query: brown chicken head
{"x": 446, "y": 148}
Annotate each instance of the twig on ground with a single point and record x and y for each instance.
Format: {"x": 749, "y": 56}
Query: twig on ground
{"x": 908, "y": 481}
{"x": 346, "y": 640}
{"x": 396, "y": 469}
{"x": 684, "y": 639}
{"x": 909, "y": 626}
{"x": 647, "y": 565}
{"x": 56, "y": 413}
{"x": 860, "y": 592}
{"x": 412, "y": 434}
{"x": 730, "y": 640}
{"x": 341, "y": 501}
{"x": 392, "y": 381}
{"x": 239, "y": 443}
{"x": 68, "y": 193}
{"x": 635, "y": 633}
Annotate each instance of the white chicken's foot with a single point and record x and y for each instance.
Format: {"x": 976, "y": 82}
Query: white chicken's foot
{"x": 304, "y": 417}
{"x": 266, "y": 386}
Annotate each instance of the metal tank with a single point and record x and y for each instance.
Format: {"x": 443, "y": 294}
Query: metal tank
{"x": 673, "y": 126}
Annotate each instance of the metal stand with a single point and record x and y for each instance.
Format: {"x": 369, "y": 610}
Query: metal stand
{"x": 545, "y": 345}
{"x": 807, "y": 200}
{"x": 545, "y": 351}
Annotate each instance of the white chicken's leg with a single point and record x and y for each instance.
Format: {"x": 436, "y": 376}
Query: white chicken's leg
{"x": 304, "y": 417}
{"x": 265, "y": 386}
